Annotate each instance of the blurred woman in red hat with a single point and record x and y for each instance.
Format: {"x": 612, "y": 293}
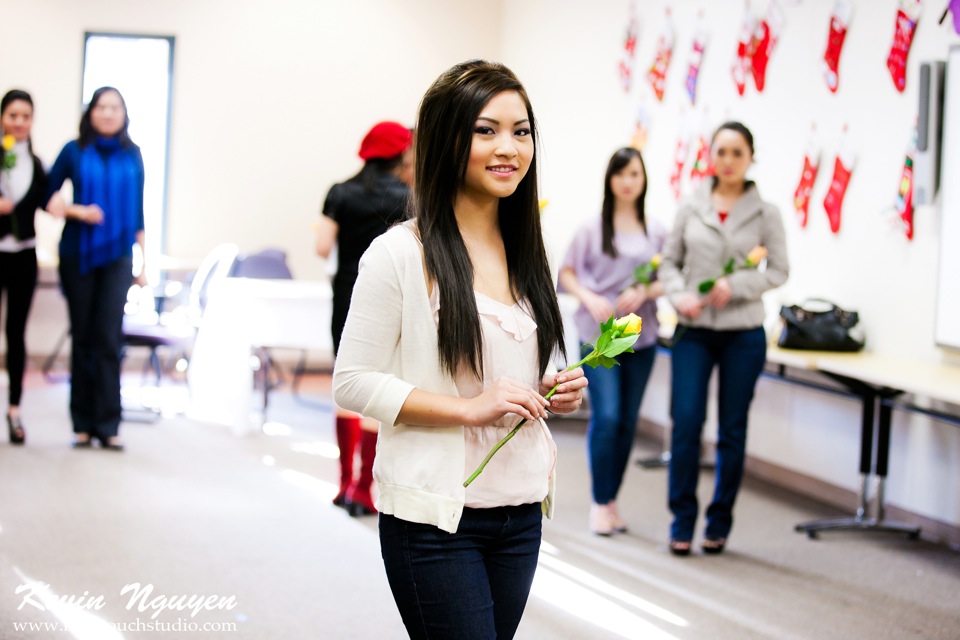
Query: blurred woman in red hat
{"x": 354, "y": 214}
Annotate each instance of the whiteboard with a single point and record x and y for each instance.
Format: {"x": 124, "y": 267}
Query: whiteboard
{"x": 947, "y": 328}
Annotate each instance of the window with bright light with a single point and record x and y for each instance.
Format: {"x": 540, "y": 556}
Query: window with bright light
{"x": 141, "y": 68}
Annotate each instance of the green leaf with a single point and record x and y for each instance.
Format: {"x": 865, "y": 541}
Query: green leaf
{"x": 728, "y": 268}
{"x": 643, "y": 273}
{"x": 603, "y": 341}
{"x": 706, "y": 285}
{"x": 606, "y": 326}
{"x": 619, "y": 345}
{"x": 604, "y": 361}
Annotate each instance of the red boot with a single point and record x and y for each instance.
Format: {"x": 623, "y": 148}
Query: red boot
{"x": 348, "y": 432}
{"x": 359, "y": 499}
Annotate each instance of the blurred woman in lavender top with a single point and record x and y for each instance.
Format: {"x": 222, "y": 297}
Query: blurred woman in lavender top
{"x": 599, "y": 271}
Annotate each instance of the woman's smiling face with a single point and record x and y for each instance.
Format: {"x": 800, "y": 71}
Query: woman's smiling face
{"x": 17, "y": 119}
{"x": 501, "y": 150}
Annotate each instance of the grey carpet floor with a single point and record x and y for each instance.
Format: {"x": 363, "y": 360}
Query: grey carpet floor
{"x": 242, "y": 529}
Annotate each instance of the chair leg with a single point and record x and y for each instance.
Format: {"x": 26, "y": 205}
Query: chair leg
{"x": 155, "y": 361}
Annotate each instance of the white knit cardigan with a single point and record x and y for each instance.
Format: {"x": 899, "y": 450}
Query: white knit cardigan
{"x": 389, "y": 348}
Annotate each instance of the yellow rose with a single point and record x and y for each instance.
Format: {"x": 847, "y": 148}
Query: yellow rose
{"x": 655, "y": 260}
{"x": 630, "y": 324}
{"x": 756, "y": 255}
{"x": 543, "y": 203}
{"x": 8, "y": 142}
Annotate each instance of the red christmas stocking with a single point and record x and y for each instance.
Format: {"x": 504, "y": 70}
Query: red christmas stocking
{"x": 696, "y": 57}
{"x": 833, "y": 202}
{"x": 906, "y": 25}
{"x": 741, "y": 62}
{"x": 842, "y": 11}
{"x": 801, "y": 197}
{"x": 679, "y": 159}
{"x": 629, "y": 49}
{"x": 764, "y": 40}
{"x": 657, "y": 75}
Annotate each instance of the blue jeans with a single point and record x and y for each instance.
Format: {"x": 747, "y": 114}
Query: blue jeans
{"x": 472, "y": 584}
{"x": 739, "y": 356}
{"x": 615, "y": 398}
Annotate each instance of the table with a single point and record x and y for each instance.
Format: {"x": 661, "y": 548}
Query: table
{"x": 242, "y": 316}
{"x": 877, "y": 381}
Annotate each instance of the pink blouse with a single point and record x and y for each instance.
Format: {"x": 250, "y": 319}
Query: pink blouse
{"x": 520, "y": 472}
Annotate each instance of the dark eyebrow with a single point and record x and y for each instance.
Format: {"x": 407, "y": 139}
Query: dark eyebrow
{"x": 498, "y": 122}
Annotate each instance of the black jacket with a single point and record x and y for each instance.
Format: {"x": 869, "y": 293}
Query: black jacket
{"x": 26, "y": 209}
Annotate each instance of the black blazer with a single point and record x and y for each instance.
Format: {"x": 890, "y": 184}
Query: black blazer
{"x": 26, "y": 209}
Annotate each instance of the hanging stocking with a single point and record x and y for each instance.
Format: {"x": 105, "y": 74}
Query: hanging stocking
{"x": 907, "y": 14}
{"x": 764, "y": 39}
{"x": 842, "y": 169}
{"x": 641, "y": 128}
{"x": 954, "y": 8}
{"x": 904, "y": 203}
{"x": 696, "y": 57}
{"x": 842, "y": 12}
{"x": 702, "y": 166}
{"x": 629, "y": 49}
{"x": 741, "y": 63}
{"x": 801, "y": 197}
{"x": 657, "y": 75}
{"x": 679, "y": 159}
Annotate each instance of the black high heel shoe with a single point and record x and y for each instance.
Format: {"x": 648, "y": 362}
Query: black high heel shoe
{"x": 714, "y": 546}
{"x": 15, "y": 429}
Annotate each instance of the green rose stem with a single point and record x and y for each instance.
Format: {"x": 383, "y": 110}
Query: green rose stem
{"x": 512, "y": 433}
{"x": 9, "y": 162}
{"x": 613, "y": 341}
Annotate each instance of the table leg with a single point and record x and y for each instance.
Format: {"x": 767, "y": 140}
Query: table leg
{"x": 868, "y": 398}
{"x": 883, "y": 458}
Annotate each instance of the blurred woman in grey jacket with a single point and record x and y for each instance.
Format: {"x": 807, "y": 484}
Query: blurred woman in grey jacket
{"x": 720, "y": 328}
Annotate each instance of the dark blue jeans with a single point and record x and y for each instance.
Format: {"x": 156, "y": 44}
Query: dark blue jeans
{"x": 739, "y": 357}
{"x": 615, "y": 398}
{"x": 469, "y": 585}
{"x": 95, "y": 301}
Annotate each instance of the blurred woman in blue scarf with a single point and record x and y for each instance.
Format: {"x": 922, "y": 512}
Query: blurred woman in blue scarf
{"x": 96, "y": 258}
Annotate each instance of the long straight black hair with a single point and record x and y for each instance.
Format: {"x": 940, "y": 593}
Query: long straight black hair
{"x": 447, "y": 117}
{"x": 620, "y": 159}
{"x": 373, "y": 168}
{"x": 88, "y": 134}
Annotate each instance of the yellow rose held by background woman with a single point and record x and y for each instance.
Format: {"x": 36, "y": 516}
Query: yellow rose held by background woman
{"x": 756, "y": 255}
{"x": 9, "y": 159}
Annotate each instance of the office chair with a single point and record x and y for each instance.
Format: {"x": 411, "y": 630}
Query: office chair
{"x": 178, "y": 328}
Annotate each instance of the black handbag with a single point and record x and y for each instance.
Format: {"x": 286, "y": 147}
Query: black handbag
{"x": 820, "y": 327}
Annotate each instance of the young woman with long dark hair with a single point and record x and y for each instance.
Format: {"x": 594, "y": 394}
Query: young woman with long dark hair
{"x": 102, "y": 224}
{"x": 22, "y": 185}
{"x": 449, "y": 342}
{"x": 355, "y": 213}
{"x": 723, "y": 329}
{"x": 599, "y": 271}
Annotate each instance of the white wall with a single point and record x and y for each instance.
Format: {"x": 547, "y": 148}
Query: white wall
{"x": 568, "y": 63}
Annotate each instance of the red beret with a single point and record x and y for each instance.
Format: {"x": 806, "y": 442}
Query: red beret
{"x": 385, "y": 140}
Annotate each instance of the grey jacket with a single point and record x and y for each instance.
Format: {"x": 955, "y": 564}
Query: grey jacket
{"x": 700, "y": 245}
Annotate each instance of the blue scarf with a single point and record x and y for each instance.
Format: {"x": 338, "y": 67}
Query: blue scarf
{"x": 111, "y": 177}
